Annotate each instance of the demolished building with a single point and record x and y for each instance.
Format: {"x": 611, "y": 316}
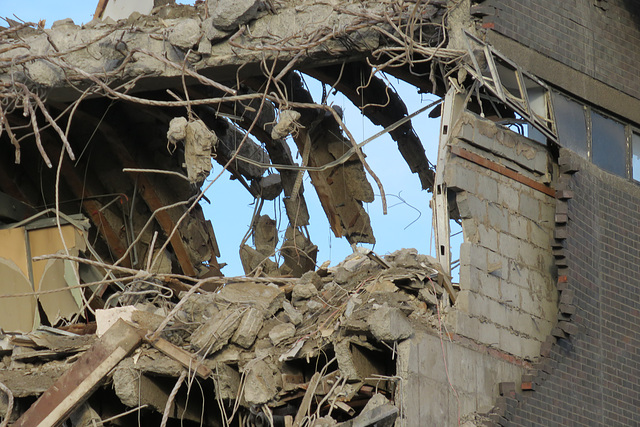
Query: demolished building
{"x": 114, "y": 309}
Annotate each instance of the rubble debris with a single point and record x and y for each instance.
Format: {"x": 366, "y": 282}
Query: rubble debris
{"x": 285, "y": 346}
{"x": 72, "y": 388}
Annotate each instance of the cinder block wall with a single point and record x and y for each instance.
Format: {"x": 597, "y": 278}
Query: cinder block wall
{"x": 594, "y": 377}
{"x": 597, "y": 37}
{"x": 508, "y": 298}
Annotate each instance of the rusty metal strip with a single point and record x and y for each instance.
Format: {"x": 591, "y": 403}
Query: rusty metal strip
{"x": 498, "y": 168}
{"x": 93, "y": 210}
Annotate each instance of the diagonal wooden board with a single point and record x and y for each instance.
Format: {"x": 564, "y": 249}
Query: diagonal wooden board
{"x": 77, "y": 384}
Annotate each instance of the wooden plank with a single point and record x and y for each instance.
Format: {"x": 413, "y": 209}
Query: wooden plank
{"x": 306, "y": 400}
{"x": 77, "y": 384}
{"x": 180, "y": 355}
{"x": 502, "y": 170}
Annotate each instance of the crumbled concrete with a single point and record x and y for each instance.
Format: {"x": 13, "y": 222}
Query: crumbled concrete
{"x": 390, "y": 324}
{"x": 227, "y": 381}
{"x": 292, "y": 314}
{"x": 230, "y": 14}
{"x": 267, "y": 298}
{"x": 216, "y": 332}
{"x": 303, "y": 291}
{"x": 212, "y": 33}
{"x": 281, "y": 332}
{"x": 262, "y": 383}
{"x": 44, "y": 73}
{"x": 248, "y": 328}
{"x": 185, "y": 34}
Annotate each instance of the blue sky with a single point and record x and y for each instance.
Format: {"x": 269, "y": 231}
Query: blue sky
{"x": 231, "y": 206}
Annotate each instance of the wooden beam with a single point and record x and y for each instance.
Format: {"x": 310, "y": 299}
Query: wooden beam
{"x": 502, "y": 170}
{"x": 77, "y": 384}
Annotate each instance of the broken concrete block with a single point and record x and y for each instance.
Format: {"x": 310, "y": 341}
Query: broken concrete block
{"x": 262, "y": 380}
{"x": 252, "y": 260}
{"x": 427, "y": 296}
{"x": 249, "y": 327}
{"x": 294, "y": 315}
{"x": 390, "y": 324}
{"x": 230, "y": 14}
{"x": 227, "y": 381}
{"x": 185, "y": 34}
{"x": 303, "y": 291}
{"x": 281, "y": 332}
{"x": 216, "y": 332}
{"x": 211, "y": 33}
{"x": 270, "y": 186}
{"x": 265, "y": 297}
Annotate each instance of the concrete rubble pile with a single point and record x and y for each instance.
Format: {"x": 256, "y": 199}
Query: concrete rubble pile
{"x": 318, "y": 350}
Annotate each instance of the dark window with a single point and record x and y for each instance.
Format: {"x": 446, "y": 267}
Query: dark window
{"x": 572, "y": 131}
{"x": 609, "y": 144}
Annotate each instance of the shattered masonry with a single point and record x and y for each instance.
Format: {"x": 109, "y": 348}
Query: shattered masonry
{"x": 114, "y": 307}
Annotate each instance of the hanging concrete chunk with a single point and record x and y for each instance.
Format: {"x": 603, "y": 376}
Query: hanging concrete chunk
{"x": 390, "y": 324}
{"x": 199, "y": 142}
{"x": 266, "y": 235}
{"x": 287, "y": 124}
{"x": 299, "y": 253}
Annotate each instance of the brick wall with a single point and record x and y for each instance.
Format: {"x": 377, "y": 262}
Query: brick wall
{"x": 593, "y": 375}
{"x": 507, "y": 298}
{"x": 597, "y": 37}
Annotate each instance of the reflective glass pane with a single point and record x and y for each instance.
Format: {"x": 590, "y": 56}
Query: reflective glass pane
{"x": 635, "y": 156}
{"x": 609, "y": 144}
{"x": 572, "y": 131}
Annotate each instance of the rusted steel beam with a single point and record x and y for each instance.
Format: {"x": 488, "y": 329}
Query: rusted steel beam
{"x": 153, "y": 201}
{"x": 93, "y": 209}
{"x": 474, "y": 158}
